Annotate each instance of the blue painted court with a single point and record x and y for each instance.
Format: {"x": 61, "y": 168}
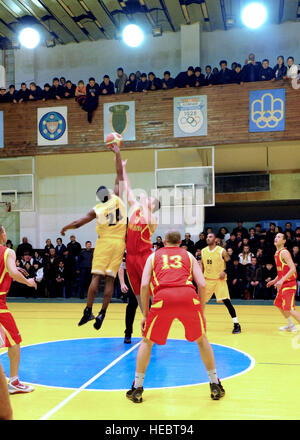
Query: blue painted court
{"x": 72, "y": 363}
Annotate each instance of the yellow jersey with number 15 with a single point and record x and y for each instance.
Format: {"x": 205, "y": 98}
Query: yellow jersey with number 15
{"x": 111, "y": 218}
{"x": 213, "y": 262}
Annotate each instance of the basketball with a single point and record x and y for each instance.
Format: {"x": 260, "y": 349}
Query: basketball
{"x": 114, "y": 138}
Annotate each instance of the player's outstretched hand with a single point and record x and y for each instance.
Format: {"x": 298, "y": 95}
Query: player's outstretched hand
{"x": 62, "y": 232}
{"x": 143, "y": 323}
{"x": 114, "y": 147}
{"x": 270, "y": 283}
{"x": 124, "y": 162}
{"x": 23, "y": 271}
{"x": 32, "y": 283}
{"x": 124, "y": 288}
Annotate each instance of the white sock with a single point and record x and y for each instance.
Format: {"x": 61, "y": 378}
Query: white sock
{"x": 12, "y": 379}
{"x": 138, "y": 380}
{"x": 213, "y": 376}
{"x": 290, "y": 321}
{"x": 235, "y": 320}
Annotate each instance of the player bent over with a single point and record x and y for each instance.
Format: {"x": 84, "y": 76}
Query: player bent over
{"x": 110, "y": 215}
{"x": 286, "y": 283}
{"x": 9, "y": 332}
{"x": 171, "y": 270}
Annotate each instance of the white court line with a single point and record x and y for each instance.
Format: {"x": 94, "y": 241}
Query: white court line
{"x": 64, "y": 402}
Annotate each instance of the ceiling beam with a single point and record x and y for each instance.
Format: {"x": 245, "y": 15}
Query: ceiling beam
{"x": 166, "y": 12}
{"x": 223, "y": 10}
{"x": 281, "y": 10}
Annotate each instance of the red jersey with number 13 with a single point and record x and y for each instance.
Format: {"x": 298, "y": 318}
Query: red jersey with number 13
{"x": 172, "y": 267}
{"x": 5, "y": 279}
{"x": 138, "y": 234}
{"x": 283, "y": 268}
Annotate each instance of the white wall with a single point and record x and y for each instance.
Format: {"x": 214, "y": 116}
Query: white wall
{"x": 79, "y": 61}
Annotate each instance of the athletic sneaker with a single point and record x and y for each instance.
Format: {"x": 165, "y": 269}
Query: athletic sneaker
{"x": 216, "y": 390}
{"x": 135, "y": 394}
{"x": 236, "y": 328}
{"x": 16, "y": 387}
{"x": 289, "y": 328}
{"x": 127, "y": 340}
{"x": 87, "y": 316}
{"x": 99, "y": 320}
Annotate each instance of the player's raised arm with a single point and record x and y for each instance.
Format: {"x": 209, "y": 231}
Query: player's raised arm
{"x": 91, "y": 215}
{"x": 145, "y": 285}
{"x": 119, "y": 169}
{"x": 199, "y": 280}
{"x": 292, "y": 268}
{"x": 130, "y": 195}
{"x": 15, "y": 274}
{"x": 148, "y": 214}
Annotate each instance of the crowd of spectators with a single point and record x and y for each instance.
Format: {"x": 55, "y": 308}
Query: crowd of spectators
{"x": 87, "y": 95}
{"x": 65, "y": 270}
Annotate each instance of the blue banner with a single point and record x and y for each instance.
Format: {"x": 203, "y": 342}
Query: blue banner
{"x": 1, "y": 131}
{"x": 267, "y": 110}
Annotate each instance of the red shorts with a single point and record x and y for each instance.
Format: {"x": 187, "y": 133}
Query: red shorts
{"x": 134, "y": 266}
{"x": 171, "y": 303}
{"x": 285, "y": 298}
{"x": 9, "y": 333}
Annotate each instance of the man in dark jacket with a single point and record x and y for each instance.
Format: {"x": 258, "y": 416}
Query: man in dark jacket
{"x": 69, "y": 91}
{"x": 253, "y": 278}
{"x": 74, "y": 247}
{"x": 35, "y": 92}
{"x": 85, "y": 266}
{"x": 153, "y": 82}
{"x": 142, "y": 85}
{"x": 188, "y": 243}
{"x": 237, "y": 75}
{"x": 251, "y": 69}
{"x": 69, "y": 272}
{"x": 167, "y": 81}
{"x": 51, "y": 262}
{"x": 199, "y": 77}
{"x": 201, "y": 243}
{"x": 224, "y": 75}
{"x": 92, "y": 96}
{"x": 266, "y": 73}
{"x": 24, "y": 248}
{"x": 235, "y": 278}
{"x": 210, "y": 78}
{"x": 47, "y": 92}
{"x": 3, "y": 95}
{"x": 57, "y": 91}
{"x": 23, "y": 93}
{"x": 185, "y": 79}
{"x": 12, "y": 94}
{"x": 106, "y": 87}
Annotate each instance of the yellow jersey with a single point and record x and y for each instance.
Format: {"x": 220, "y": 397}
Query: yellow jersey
{"x": 111, "y": 218}
{"x": 213, "y": 262}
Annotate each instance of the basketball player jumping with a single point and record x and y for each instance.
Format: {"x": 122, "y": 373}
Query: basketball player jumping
{"x": 110, "y": 214}
{"x": 171, "y": 270}
{"x": 141, "y": 225}
{"x": 285, "y": 283}
{"x": 8, "y": 329}
{"x": 213, "y": 260}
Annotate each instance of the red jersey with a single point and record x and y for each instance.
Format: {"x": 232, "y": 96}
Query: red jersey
{"x": 172, "y": 267}
{"x": 282, "y": 267}
{"x": 5, "y": 279}
{"x": 138, "y": 234}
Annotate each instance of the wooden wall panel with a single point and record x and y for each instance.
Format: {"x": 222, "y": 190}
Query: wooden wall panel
{"x": 228, "y": 121}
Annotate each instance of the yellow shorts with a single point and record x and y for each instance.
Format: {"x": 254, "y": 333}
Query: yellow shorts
{"x": 108, "y": 256}
{"x": 217, "y": 287}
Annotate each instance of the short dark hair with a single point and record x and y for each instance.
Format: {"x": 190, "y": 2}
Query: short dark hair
{"x": 55, "y": 79}
{"x": 191, "y": 68}
{"x": 33, "y": 83}
{"x": 238, "y": 65}
{"x": 91, "y": 79}
{"x": 280, "y": 56}
{"x": 198, "y": 69}
{"x": 143, "y": 75}
{"x": 23, "y": 84}
{"x": 272, "y": 223}
{"x": 208, "y": 66}
{"x": 68, "y": 82}
{"x": 88, "y": 241}
{"x": 167, "y": 72}
{"x": 47, "y": 85}
{"x": 62, "y": 77}
{"x": 151, "y": 73}
{"x": 120, "y": 68}
{"x": 102, "y": 194}
{"x": 292, "y": 58}
{"x": 11, "y": 86}
{"x": 223, "y": 62}
{"x": 265, "y": 60}
{"x": 258, "y": 225}
{"x": 106, "y": 76}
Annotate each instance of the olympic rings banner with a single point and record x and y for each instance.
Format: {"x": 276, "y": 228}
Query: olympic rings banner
{"x": 190, "y": 116}
{"x": 267, "y": 110}
{"x": 52, "y": 126}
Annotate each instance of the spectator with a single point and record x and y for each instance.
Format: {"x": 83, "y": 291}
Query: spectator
{"x": 62, "y": 81}
{"x": 9, "y": 244}
{"x": 159, "y": 243}
{"x": 258, "y": 229}
{"x": 270, "y": 235}
{"x": 38, "y": 275}
{"x": 201, "y": 243}
{"x": 260, "y": 256}
{"x": 168, "y": 82}
{"x": 74, "y": 247}
{"x": 241, "y": 229}
{"x": 233, "y": 66}
{"x": 23, "y": 93}
{"x": 35, "y": 92}
{"x": 57, "y": 91}
{"x": 47, "y": 92}
{"x": 60, "y": 280}
{"x": 289, "y": 240}
{"x": 142, "y": 85}
{"x": 188, "y": 243}
{"x": 48, "y": 246}
{"x": 60, "y": 248}
{"x": 3, "y": 95}
{"x": 268, "y": 273}
{"x": 50, "y": 265}
{"x": 292, "y": 69}
{"x": 266, "y": 73}
{"x": 37, "y": 258}
{"x": 231, "y": 254}
{"x": 199, "y": 78}
{"x": 253, "y": 240}
{"x": 288, "y": 228}
{"x": 85, "y": 266}
{"x": 224, "y": 75}
{"x": 216, "y": 73}
{"x": 92, "y": 94}
{"x": 232, "y": 243}
{"x": 131, "y": 83}
{"x": 253, "y": 278}
{"x": 154, "y": 83}
{"x": 106, "y": 87}
{"x": 185, "y": 79}
{"x": 224, "y": 235}
{"x": 80, "y": 93}
{"x": 210, "y": 78}
{"x": 12, "y": 94}
{"x": 239, "y": 240}
{"x": 251, "y": 69}
{"x": 24, "y": 248}
{"x": 237, "y": 76}
{"x": 245, "y": 256}
{"x": 278, "y": 229}
{"x": 69, "y": 91}
{"x": 296, "y": 255}
{"x": 120, "y": 81}
{"x": 280, "y": 69}
{"x": 69, "y": 272}
{"x": 235, "y": 278}
{"x": 209, "y": 230}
